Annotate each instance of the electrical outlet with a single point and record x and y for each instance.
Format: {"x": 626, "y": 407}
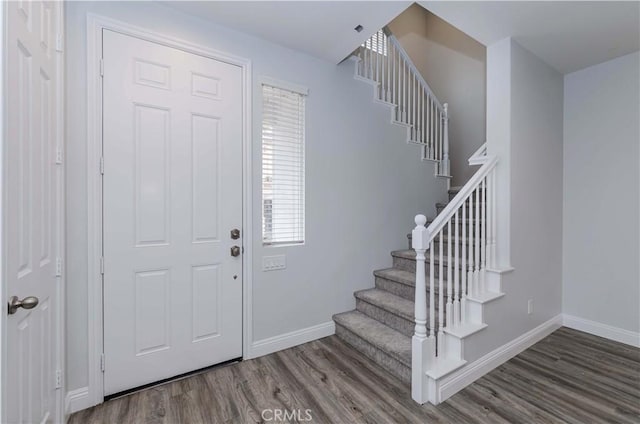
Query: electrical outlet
{"x": 273, "y": 263}
{"x": 530, "y": 306}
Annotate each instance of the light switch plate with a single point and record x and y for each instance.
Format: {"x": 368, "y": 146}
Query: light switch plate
{"x": 273, "y": 263}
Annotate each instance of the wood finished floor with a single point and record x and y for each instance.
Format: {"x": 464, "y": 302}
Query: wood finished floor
{"x": 569, "y": 377}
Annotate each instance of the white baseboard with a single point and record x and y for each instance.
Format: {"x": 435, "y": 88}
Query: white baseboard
{"x": 76, "y": 400}
{"x": 603, "y": 330}
{"x": 295, "y": 338}
{"x": 460, "y": 379}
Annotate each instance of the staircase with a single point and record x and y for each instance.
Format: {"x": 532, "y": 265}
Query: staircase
{"x": 383, "y": 322}
{"x": 413, "y": 323}
{"x": 382, "y": 62}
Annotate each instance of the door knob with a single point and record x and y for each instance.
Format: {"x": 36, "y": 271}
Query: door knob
{"x": 235, "y": 251}
{"x": 29, "y": 302}
{"x": 235, "y": 234}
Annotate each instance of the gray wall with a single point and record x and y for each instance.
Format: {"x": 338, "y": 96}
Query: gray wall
{"x": 524, "y": 128}
{"x": 364, "y": 183}
{"x": 601, "y": 183}
{"x": 453, "y": 64}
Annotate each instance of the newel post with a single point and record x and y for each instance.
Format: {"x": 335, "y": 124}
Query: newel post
{"x": 420, "y": 344}
{"x": 445, "y": 150}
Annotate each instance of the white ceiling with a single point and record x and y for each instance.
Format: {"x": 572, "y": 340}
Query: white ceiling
{"x": 567, "y": 35}
{"x": 324, "y": 29}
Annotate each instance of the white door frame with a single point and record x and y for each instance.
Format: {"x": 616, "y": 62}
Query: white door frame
{"x": 59, "y": 341}
{"x": 95, "y": 25}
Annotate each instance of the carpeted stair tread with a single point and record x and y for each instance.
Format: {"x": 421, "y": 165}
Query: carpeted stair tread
{"x": 390, "y": 341}
{"x": 389, "y": 302}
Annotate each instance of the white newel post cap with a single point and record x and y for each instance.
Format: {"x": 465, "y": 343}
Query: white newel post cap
{"x": 420, "y": 235}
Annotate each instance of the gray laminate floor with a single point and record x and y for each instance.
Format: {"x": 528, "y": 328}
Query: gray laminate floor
{"x": 569, "y": 377}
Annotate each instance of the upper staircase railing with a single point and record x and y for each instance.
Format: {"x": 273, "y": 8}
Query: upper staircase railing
{"x": 383, "y": 61}
{"x": 461, "y": 245}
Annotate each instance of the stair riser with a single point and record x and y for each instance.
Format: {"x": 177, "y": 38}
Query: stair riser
{"x": 398, "y": 323}
{"x": 410, "y": 265}
{"x": 404, "y": 291}
{"x": 386, "y": 362}
{"x": 399, "y": 289}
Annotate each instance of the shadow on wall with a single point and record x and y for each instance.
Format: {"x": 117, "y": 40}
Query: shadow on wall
{"x": 454, "y": 66}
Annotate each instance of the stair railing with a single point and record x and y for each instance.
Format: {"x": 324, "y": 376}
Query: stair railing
{"x": 467, "y": 228}
{"x": 399, "y": 83}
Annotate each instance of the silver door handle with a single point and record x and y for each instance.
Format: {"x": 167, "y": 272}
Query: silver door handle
{"x": 29, "y": 302}
{"x": 235, "y": 251}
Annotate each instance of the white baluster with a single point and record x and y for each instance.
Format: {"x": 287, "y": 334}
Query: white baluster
{"x": 483, "y": 236}
{"x": 421, "y": 346}
{"x": 493, "y": 217}
{"x": 433, "y": 130}
{"x": 394, "y": 92}
{"x": 427, "y": 128}
{"x": 404, "y": 91}
{"x": 489, "y": 221}
{"x": 476, "y": 216}
{"x": 432, "y": 293}
{"x": 422, "y": 139}
{"x": 463, "y": 271}
{"x": 399, "y": 103}
{"x": 382, "y": 57}
{"x": 375, "y": 50}
{"x": 369, "y": 60}
{"x": 440, "y": 343}
{"x": 436, "y": 130}
{"x": 415, "y": 107}
{"x": 456, "y": 272}
{"x": 449, "y": 309}
{"x": 471, "y": 288}
{"x": 389, "y": 64}
{"x": 445, "y": 136}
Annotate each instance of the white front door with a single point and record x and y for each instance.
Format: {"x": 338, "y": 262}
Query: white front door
{"x": 172, "y": 146}
{"x": 31, "y": 212}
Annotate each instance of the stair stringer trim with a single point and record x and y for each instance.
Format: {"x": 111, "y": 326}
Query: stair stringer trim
{"x": 446, "y": 387}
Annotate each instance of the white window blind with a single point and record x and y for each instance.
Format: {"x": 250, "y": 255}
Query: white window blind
{"x": 283, "y": 128}
{"x": 377, "y": 43}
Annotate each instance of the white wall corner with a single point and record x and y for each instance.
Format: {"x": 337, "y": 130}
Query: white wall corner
{"x": 76, "y": 400}
{"x": 621, "y": 335}
{"x": 294, "y": 338}
{"x": 460, "y": 379}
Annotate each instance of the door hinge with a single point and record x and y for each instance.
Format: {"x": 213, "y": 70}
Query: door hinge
{"x": 102, "y": 67}
{"x": 58, "y": 156}
{"x": 58, "y": 42}
{"x": 102, "y": 165}
{"x": 102, "y": 265}
{"x": 58, "y": 379}
{"x": 102, "y": 362}
{"x": 58, "y": 267}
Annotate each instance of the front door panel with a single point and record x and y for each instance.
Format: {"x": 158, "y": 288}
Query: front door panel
{"x": 172, "y": 193}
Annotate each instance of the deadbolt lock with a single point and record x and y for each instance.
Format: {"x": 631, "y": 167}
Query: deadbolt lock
{"x": 235, "y": 234}
{"x": 235, "y": 251}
